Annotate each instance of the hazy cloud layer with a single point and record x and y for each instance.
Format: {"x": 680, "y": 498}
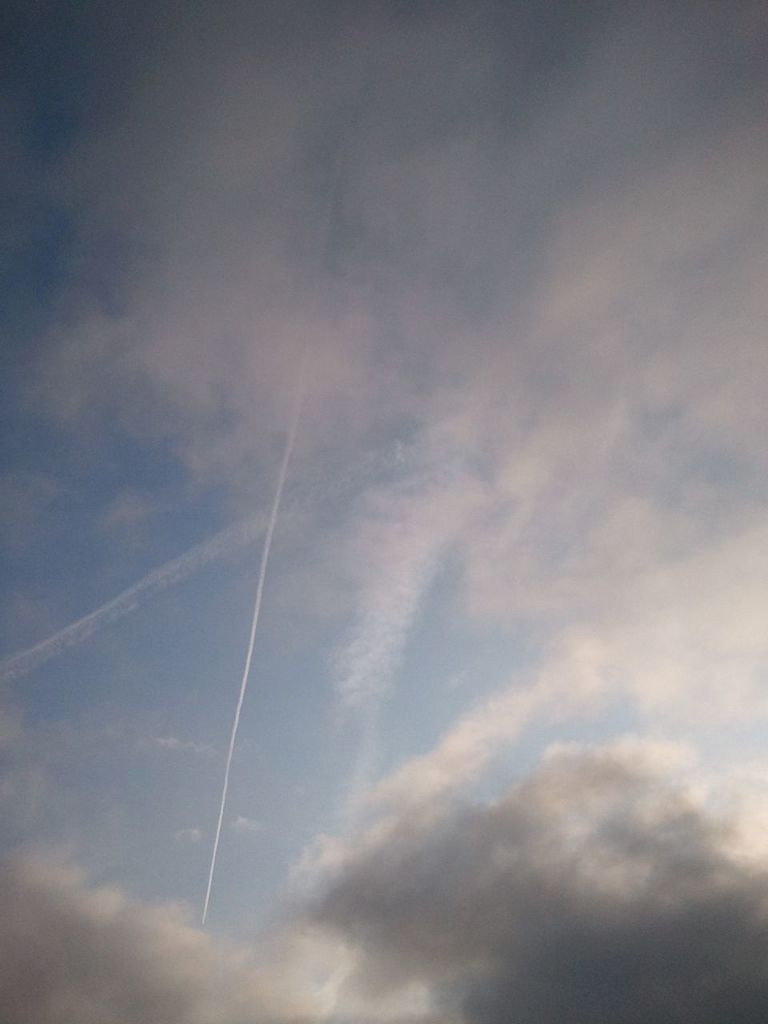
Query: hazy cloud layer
{"x": 378, "y": 184}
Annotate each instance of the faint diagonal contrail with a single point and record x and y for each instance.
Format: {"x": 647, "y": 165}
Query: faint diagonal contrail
{"x": 289, "y": 443}
{"x": 77, "y": 632}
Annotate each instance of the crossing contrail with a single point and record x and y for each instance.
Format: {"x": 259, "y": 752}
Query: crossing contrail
{"x": 289, "y": 443}
{"x": 128, "y": 600}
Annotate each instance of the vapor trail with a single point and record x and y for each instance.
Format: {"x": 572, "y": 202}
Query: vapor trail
{"x": 221, "y": 544}
{"x": 289, "y": 443}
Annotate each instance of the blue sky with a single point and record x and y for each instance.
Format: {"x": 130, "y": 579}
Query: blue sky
{"x": 514, "y": 258}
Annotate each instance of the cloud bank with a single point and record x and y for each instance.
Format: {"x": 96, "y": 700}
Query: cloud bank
{"x": 71, "y": 953}
{"x": 597, "y": 888}
{"x": 593, "y": 890}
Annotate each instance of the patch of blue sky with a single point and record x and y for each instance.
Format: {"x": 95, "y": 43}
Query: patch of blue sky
{"x": 450, "y": 662}
{"x": 85, "y": 563}
{"x": 37, "y": 265}
{"x": 137, "y": 682}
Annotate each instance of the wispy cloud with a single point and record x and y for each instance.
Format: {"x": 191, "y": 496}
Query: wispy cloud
{"x": 399, "y": 547}
{"x": 399, "y": 541}
{"x": 246, "y": 826}
{"x": 189, "y": 835}
{"x": 126, "y": 511}
{"x": 173, "y": 743}
{"x": 568, "y": 684}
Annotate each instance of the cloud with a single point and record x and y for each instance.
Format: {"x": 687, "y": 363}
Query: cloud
{"x": 652, "y": 606}
{"x": 593, "y": 890}
{"x": 395, "y": 549}
{"x": 246, "y": 826}
{"x": 175, "y": 744}
{"x": 71, "y": 953}
{"x": 127, "y": 510}
{"x": 189, "y": 835}
{"x": 403, "y": 532}
{"x": 567, "y": 684}
{"x": 498, "y": 219}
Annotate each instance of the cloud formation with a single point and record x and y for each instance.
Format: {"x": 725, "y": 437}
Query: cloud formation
{"x": 71, "y": 953}
{"x": 526, "y": 251}
{"x": 594, "y": 890}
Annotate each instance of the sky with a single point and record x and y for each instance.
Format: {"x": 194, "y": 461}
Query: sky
{"x": 492, "y": 277}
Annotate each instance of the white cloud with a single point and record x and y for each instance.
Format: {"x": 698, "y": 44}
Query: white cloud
{"x": 127, "y": 510}
{"x": 246, "y": 826}
{"x": 568, "y": 684}
{"x": 682, "y": 635}
{"x": 173, "y": 743}
{"x": 396, "y": 549}
{"x": 189, "y": 835}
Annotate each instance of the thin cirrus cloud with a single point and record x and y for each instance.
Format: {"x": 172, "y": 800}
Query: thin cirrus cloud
{"x": 246, "y": 826}
{"x": 399, "y": 541}
{"x": 188, "y": 835}
{"x": 402, "y": 536}
{"x": 174, "y": 744}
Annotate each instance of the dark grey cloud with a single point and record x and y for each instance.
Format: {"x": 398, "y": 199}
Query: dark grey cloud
{"x": 591, "y": 892}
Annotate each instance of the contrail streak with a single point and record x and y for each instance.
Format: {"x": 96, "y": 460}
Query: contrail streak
{"x": 289, "y": 443}
{"x": 326, "y": 221}
{"x": 221, "y": 544}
